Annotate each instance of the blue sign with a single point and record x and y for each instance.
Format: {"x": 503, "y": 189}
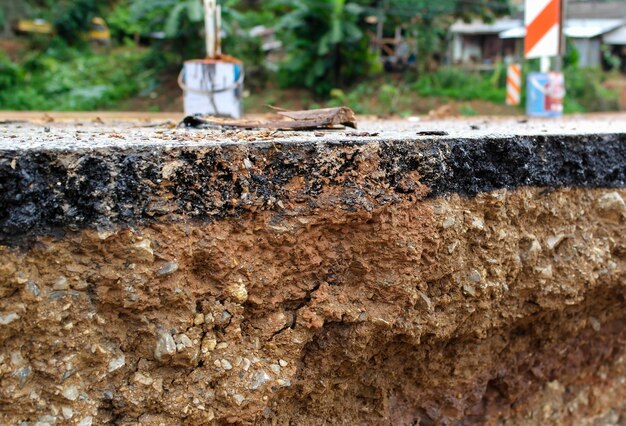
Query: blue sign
{"x": 544, "y": 94}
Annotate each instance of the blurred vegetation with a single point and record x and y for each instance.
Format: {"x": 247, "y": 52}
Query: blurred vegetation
{"x": 67, "y": 79}
{"x": 326, "y": 50}
{"x": 459, "y": 84}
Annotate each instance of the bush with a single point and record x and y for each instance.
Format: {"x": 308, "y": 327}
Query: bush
{"x": 585, "y": 91}
{"x": 335, "y": 54}
{"x": 10, "y": 73}
{"x": 460, "y": 84}
{"x": 68, "y": 79}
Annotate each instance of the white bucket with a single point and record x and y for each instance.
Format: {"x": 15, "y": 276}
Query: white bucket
{"x": 212, "y": 87}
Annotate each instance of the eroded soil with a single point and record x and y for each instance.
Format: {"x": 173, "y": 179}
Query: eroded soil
{"x": 508, "y": 307}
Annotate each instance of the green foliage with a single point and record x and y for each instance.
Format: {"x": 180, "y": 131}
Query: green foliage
{"x": 68, "y": 79}
{"x": 74, "y": 17}
{"x": 613, "y": 62}
{"x": 585, "y": 91}
{"x": 467, "y": 110}
{"x": 571, "y": 57}
{"x": 10, "y": 73}
{"x": 388, "y": 97}
{"x": 459, "y": 84}
{"x": 356, "y": 98}
{"x": 334, "y": 53}
{"x": 121, "y": 21}
{"x": 428, "y": 9}
{"x": 191, "y": 9}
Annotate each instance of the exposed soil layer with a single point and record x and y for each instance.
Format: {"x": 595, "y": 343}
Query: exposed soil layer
{"x": 342, "y": 298}
{"x": 50, "y": 190}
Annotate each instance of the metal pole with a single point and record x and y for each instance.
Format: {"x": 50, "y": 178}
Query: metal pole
{"x": 562, "y": 41}
{"x": 209, "y": 27}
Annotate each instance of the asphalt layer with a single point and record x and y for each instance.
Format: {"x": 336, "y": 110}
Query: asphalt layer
{"x": 56, "y": 177}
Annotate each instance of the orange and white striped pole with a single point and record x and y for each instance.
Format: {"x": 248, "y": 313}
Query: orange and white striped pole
{"x": 513, "y": 84}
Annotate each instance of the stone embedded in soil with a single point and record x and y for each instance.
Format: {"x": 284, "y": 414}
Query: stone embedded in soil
{"x": 165, "y": 345}
{"x": 167, "y": 269}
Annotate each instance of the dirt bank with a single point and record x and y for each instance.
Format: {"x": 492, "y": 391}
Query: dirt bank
{"x": 416, "y": 282}
{"x": 453, "y": 309}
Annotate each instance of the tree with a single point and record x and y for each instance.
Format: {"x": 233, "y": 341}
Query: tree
{"x": 325, "y": 45}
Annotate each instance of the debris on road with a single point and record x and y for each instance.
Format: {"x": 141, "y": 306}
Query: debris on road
{"x": 325, "y": 118}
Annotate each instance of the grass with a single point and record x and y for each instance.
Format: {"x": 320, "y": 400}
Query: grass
{"x": 68, "y": 79}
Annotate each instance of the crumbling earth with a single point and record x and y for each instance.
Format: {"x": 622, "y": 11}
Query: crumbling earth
{"x": 322, "y": 283}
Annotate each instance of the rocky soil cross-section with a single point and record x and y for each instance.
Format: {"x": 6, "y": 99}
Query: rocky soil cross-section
{"x": 165, "y": 277}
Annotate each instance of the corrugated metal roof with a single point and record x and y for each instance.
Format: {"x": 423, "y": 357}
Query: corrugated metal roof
{"x": 574, "y": 28}
{"x": 589, "y": 28}
{"x": 616, "y": 37}
{"x": 480, "y": 27}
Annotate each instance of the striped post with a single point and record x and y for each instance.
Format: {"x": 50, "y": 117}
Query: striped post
{"x": 513, "y": 84}
{"x": 543, "y": 28}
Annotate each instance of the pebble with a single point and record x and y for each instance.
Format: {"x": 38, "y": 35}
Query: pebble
{"x": 275, "y": 368}
{"x": 533, "y": 250}
{"x": 475, "y": 276}
{"x": 239, "y": 399}
{"x": 8, "y": 318}
{"x": 259, "y": 378}
{"x": 208, "y": 318}
{"x": 144, "y": 248}
{"x": 246, "y": 363}
{"x": 284, "y": 382}
{"x": 208, "y": 343}
{"x": 238, "y": 292}
{"x": 595, "y": 324}
{"x": 282, "y": 363}
{"x": 545, "y": 271}
{"x": 142, "y": 379}
{"x": 167, "y": 269}
{"x": 116, "y": 363}
{"x": 226, "y": 365}
{"x": 32, "y": 288}
{"x": 45, "y": 421}
{"x": 22, "y": 374}
{"x": 612, "y": 201}
{"x": 67, "y": 412}
{"x": 448, "y": 222}
{"x": 198, "y": 319}
{"x": 87, "y": 421}
{"x": 165, "y": 345}
{"x": 477, "y": 224}
{"x": 222, "y": 345}
{"x": 554, "y": 241}
{"x": 185, "y": 340}
{"x": 468, "y": 289}
{"x": 427, "y": 301}
{"x": 61, "y": 284}
{"x": 70, "y": 392}
{"x": 452, "y": 247}
{"x": 225, "y": 316}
